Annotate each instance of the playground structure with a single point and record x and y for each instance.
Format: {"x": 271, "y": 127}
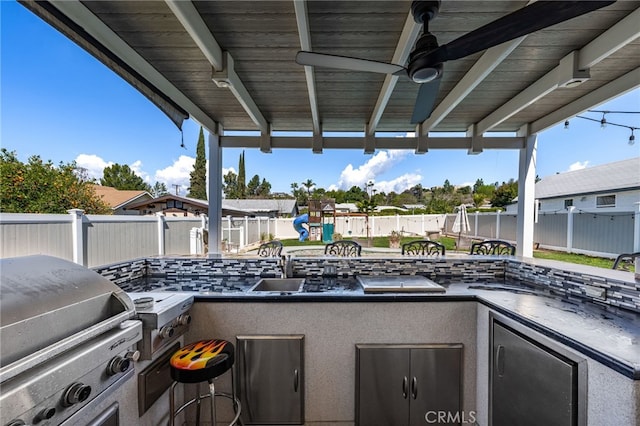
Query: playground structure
{"x": 321, "y": 221}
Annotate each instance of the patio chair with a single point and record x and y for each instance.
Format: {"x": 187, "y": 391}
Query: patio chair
{"x": 493, "y": 247}
{"x": 270, "y": 249}
{"x": 626, "y": 261}
{"x": 423, "y": 248}
{"x": 343, "y": 248}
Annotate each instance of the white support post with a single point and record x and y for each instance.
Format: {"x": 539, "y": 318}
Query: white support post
{"x": 498, "y": 224}
{"x": 422, "y": 229}
{"x": 397, "y": 222}
{"x": 215, "y": 195}
{"x": 77, "y": 235}
{"x": 246, "y": 230}
{"x": 373, "y": 226}
{"x": 526, "y": 197}
{"x": 570, "y": 229}
{"x": 636, "y": 231}
{"x": 160, "y": 217}
{"x": 475, "y": 224}
{"x": 636, "y": 239}
{"x": 228, "y": 232}
{"x": 259, "y": 230}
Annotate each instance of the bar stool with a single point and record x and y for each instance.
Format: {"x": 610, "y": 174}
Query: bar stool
{"x": 203, "y": 361}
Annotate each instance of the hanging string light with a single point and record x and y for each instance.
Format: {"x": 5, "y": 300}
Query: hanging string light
{"x": 603, "y": 122}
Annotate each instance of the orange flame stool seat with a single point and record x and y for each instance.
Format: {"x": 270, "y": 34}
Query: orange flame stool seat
{"x": 198, "y": 362}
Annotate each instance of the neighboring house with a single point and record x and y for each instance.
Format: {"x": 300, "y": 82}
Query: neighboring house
{"x": 346, "y": 208}
{"x": 606, "y": 188}
{"x": 379, "y": 209}
{"x": 173, "y": 205}
{"x": 278, "y": 207}
{"x": 119, "y": 200}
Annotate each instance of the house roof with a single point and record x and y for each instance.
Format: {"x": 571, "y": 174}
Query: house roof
{"x": 619, "y": 175}
{"x": 117, "y": 198}
{"x": 231, "y": 65}
{"x": 201, "y": 204}
{"x": 280, "y": 205}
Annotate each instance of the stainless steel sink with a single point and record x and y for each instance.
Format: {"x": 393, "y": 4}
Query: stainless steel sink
{"x": 398, "y": 283}
{"x": 279, "y": 285}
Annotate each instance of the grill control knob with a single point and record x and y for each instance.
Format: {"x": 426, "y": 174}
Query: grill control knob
{"x": 119, "y": 364}
{"x": 44, "y": 414}
{"x": 76, "y": 393}
{"x": 184, "y": 319}
{"x": 166, "y": 332}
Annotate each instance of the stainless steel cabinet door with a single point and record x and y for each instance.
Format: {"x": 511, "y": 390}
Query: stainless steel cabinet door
{"x": 382, "y": 387}
{"x": 434, "y": 387}
{"x": 399, "y": 385}
{"x": 271, "y": 379}
{"x": 530, "y": 386}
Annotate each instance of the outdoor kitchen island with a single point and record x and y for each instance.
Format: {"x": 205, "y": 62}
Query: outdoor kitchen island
{"x": 585, "y": 316}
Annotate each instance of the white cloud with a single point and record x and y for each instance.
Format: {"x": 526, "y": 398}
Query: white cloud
{"x": 399, "y": 184}
{"x": 177, "y": 174}
{"x": 578, "y": 165}
{"x": 136, "y": 167}
{"x": 93, "y": 164}
{"x": 376, "y": 165}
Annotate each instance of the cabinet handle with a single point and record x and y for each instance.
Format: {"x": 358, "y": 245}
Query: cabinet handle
{"x": 296, "y": 380}
{"x": 500, "y": 360}
{"x": 414, "y": 387}
{"x": 405, "y": 387}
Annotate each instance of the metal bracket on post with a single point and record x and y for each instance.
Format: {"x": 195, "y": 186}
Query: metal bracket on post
{"x": 265, "y": 140}
{"x": 316, "y": 143}
{"x": 476, "y": 141}
{"x": 369, "y": 142}
{"x": 422, "y": 140}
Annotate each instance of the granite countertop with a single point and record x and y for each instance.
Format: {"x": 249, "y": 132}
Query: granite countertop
{"x": 607, "y": 334}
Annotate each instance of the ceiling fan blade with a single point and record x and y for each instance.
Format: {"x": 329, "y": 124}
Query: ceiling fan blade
{"x": 347, "y": 63}
{"x": 531, "y": 18}
{"x": 425, "y": 100}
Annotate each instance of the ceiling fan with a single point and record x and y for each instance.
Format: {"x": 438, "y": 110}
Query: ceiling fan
{"x": 426, "y": 60}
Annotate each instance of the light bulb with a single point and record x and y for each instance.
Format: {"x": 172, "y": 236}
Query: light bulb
{"x": 632, "y": 138}
{"x": 603, "y": 123}
{"x": 566, "y": 124}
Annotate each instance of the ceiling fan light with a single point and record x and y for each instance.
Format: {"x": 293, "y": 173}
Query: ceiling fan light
{"x": 425, "y": 75}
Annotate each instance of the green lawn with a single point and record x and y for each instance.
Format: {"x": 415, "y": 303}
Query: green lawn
{"x": 574, "y": 258}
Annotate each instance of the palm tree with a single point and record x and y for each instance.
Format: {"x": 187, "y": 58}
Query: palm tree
{"x": 308, "y": 184}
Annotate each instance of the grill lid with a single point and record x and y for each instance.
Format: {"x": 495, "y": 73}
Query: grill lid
{"x": 49, "y": 305}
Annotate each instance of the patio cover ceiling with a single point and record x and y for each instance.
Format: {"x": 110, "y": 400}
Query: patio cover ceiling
{"x": 230, "y": 65}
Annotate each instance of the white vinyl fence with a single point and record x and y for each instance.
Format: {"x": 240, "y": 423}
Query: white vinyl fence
{"x": 95, "y": 240}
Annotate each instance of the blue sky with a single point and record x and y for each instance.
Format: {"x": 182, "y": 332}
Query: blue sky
{"x": 60, "y": 103}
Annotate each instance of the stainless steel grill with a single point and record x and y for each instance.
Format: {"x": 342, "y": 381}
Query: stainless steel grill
{"x": 67, "y": 336}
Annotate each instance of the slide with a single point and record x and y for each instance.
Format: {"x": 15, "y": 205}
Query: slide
{"x": 298, "y": 226}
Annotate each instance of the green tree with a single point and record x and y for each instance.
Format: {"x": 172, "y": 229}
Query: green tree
{"x": 41, "y": 187}
{"x": 264, "y": 189}
{"x": 505, "y": 194}
{"x": 230, "y": 185}
{"x": 308, "y": 184}
{"x": 253, "y": 185}
{"x": 242, "y": 179}
{"x": 122, "y": 177}
{"x": 198, "y": 177}
{"x": 159, "y": 189}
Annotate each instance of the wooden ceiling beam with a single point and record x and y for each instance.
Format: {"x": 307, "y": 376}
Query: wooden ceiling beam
{"x": 616, "y": 37}
{"x": 224, "y": 74}
{"x": 302, "y": 20}
{"x": 79, "y": 13}
{"x": 408, "y": 37}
